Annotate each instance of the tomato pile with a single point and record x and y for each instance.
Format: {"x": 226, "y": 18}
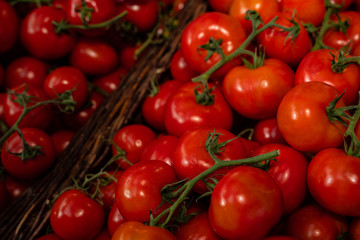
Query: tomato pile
{"x": 254, "y": 135}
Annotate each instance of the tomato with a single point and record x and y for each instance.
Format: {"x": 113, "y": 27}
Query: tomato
{"x": 303, "y": 121}
{"x": 33, "y": 167}
{"x": 182, "y": 111}
{"x": 39, "y": 37}
{"x": 110, "y": 82}
{"x": 127, "y": 56}
{"x": 180, "y": 69}
{"x": 3, "y": 97}
{"x": 9, "y": 29}
{"x": 138, "y": 190}
{"x": 153, "y": 107}
{"x": 198, "y": 32}
{"x": 115, "y": 219}
{"x": 138, "y": 231}
{"x": 197, "y": 228}
{"x": 142, "y": 13}
{"x": 346, "y": 3}
{"x": 132, "y": 139}
{"x": 66, "y": 78}
{"x": 314, "y": 222}
{"x": 317, "y": 66}
{"x": 267, "y": 131}
{"x": 94, "y": 57}
{"x": 306, "y": 11}
{"x": 107, "y": 192}
{"x": 289, "y": 172}
{"x": 39, "y": 117}
{"x": 191, "y": 157}
{"x": 333, "y": 173}
{"x": 75, "y": 215}
{"x": 50, "y": 236}
{"x": 16, "y": 187}
{"x": 266, "y": 8}
{"x": 61, "y": 140}
{"x": 260, "y": 89}
{"x": 104, "y": 235}
{"x": 221, "y": 5}
{"x": 277, "y": 44}
{"x": 161, "y": 148}
{"x": 245, "y": 204}
{"x": 29, "y": 70}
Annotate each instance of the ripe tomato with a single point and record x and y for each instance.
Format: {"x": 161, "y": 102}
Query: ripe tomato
{"x": 316, "y": 66}
{"x": 75, "y": 215}
{"x": 141, "y": 184}
{"x": 303, "y": 121}
{"x": 198, "y": 32}
{"x": 180, "y": 69}
{"x": 260, "y": 89}
{"x": 127, "y": 56}
{"x": 306, "y": 11}
{"x": 15, "y": 187}
{"x": 267, "y": 131}
{"x": 115, "y": 219}
{"x": 138, "y": 231}
{"x": 333, "y": 173}
{"x": 245, "y": 204}
{"x": 61, "y": 140}
{"x": 182, "y": 112}
{"x": 104, "y": 235}
{"x": 132, "y": 139}
{"x": 110, "y": 82}
{"x": 30, "y": 168}
{"x": 9, "y": 29}
{"x": 107, "y": 192}
{"x": 220, "y": 5}
{"x": 39, "y": 37}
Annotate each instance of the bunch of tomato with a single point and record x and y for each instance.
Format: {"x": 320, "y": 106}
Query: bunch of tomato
{"x": 255, "y": 136}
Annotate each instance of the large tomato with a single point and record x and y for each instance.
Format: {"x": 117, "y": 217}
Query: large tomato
{"x": 9, "y": 29}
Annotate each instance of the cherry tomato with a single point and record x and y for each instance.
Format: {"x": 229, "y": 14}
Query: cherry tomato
{"x": 261, "y": 89}
{"x": 33, "y": 167}
{"x": 61, "y": 140}
{"x": 110, "y": 82}
{"x": 141, "y": 184}
{"x": 107, "y": 192}
{"x": 245, "y": 204}
{"x": 306, "y": 11}
{"x": 16, "y": 187}
{"x": 303, "y": 121}
{"x": 127, "y": 56}
{"x": 39, "y": 37}
{"x": 267, "y": 131}
{"x": 9, "y": 29}
{"x": 115, "y": 219}
{"x": 198, "y": 32}
{"x": 180, "y": 69}
{"x": 138, "y": 231}
{"x": 75, "y": 215}
{"x": 221, "y": 5}
{"x": 183, "y": 112}
{"x": 104, "y": 235}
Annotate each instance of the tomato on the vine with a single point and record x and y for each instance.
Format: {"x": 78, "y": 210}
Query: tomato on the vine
{"x": 267, "y": 131}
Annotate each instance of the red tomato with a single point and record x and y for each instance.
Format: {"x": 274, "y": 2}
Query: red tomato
{"x": 115, "y": 219}
{"x": 317, "y": 66}
{"x": 289, "y": 172}
{"x": 191, "y": 157}
{"x": 221, "y": 5}
{"x": 245, "y": 204}
{"x": 75, "y": 215}
{"x": 94, "y": 57}
{"x": 110, "y": 82}
{"x": 138, "y": 231}
{"x": 266, "y": 8}
{"x": 306, "y": 11}
{"x": 180, "y": 69}
{"x": 33, "y": 167}
{"x": 277, "y": 45}
{"x": 61, "y": 140}
{"x": 66, "y": 78}
{"x": 314, "y": 222}
{"x": 3, "y": 97}
{"x": 127, "y": 56}
{"x": 39, "y": 117}
{"x": 303, "y": 121}
{"x": 27, "y": 70}
{"x": 104, "y": 235}
{"x": 260, "y": 89}
{"x": 107, "y": 192}
{"x": 39, "y": 37}
{"x": 333, "y": 173}
{"x": 141, "y": 184}
{"x": 198, "y": 32}
{"x": 153, "y": 107}
{"x": 182, "y": 112}
{"x": 9, "y": 29}
{"x": 346, "y": 3}
{"x": 50, "y": 236}
{"x": 197, "y": 228}
{"x": 267, "y": 131}
{"x": 16, "y": 187}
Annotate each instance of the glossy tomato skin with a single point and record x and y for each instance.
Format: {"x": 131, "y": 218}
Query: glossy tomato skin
{"x": 191, "y": 157}
{"x": 267, "y": 131}
{"x": 153, "y": 107}
{"x": 94, "y": 57}
{"x": 180, "y": 69}
{"x": 38, "y": 34}
{"x": 9, "y": 29}
{"x": 306, "y": 11}
{"x": 115, "y": 219}
{"x": 66, "y": 78}
{"x": 61, "y": 140}
{"x": 110, "y": 82}
{"x": 15, "y": 187}
{"x": 260, "y": 89}
{"x": 244, "y": 199}
{"x": 132, "y": 139}
{"x": 31, "y": 168}
{"x": 182, "y": 112}
{"x": 197, "y": 228}
{"x": 289, "y": 172}
{"x": 198, "y": 32}
{"x": 333, "y": 173}
{"x": 316, "y": 66}
{"x": 314, "y": 222}
{"x": 302, "y": 118}
{"x": 141, "y": 184}
{"x": 132, "y": 230}
{"x": 75, "y": 215}
{"x": 29, "y": 70}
